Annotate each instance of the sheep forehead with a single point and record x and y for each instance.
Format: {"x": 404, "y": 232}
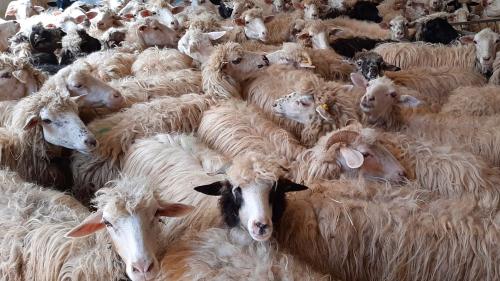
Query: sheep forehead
{"x": 252, "y": 14}
{"x": 381, "y": 84}
{"x": 486, "y": 35}
{"x": 252, "y": 168}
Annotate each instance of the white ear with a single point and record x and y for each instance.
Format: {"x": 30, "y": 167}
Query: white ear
{"x": 353, "y": 158}
{"x": 359, "y": 80}
{"x": 215, "y": 35}
{"x": 38, "y": 9}
{"x": 324, "y": 113}
{"x": 409, "y": 101}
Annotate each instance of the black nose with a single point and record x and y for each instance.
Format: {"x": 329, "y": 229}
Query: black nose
{"x": 262, "y": 227}
{"x": 91, "y": 142}
{"x": 275, "y": 104}
{"x": 402, "y": 174}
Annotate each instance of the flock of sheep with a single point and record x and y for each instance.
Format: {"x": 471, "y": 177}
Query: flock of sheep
{"x": 250, "y": 140}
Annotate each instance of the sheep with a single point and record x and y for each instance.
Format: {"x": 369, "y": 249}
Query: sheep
{"x": 156, "y": 61}
{"x": 197, "y": 44}
{"x": 77, "y": 81}
{"x": 18, "y": 78}
{"x": 371, "y": 65}
{"x": 173, "y": 84}
{"x": 45, "y": 219}
{"x": 147, "y": 33}
{"x": 474, "y": 101}
{"x": 77, "y": 43}
{"x": 227, "y": 67}
{"x": 7, "y": 30}
{"x": 40, "y": 124}
{"x": 118, "y": 131}
{"x": 252, "y": 195}
{"x": 319, "y": 107}
{"x": 253, "y": 23}
{"x": 221, "y": 254}
{"x": 436, "y": 30}
{"x": 383, "y": 106}
{"x": 492, "y": 9}
{"x": 432, "y": 86}
{"x": 22, "y": 9}
{"x": 314, "y": 34}
{"x": 365, "y": 231}
{"x": 405, "y": 55}
{"x": 234, "y": 128}
{"x": 284, "y": 26}
{"x": 399, "y": 29}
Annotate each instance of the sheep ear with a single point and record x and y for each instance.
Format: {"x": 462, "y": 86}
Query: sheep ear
{"x": 287, "y": 185}
{"x": 215, "y": 35}
{"x": 173, "y": 210}
{"x": 353, "y": 158}
{"x": 468, "y": 39}
{"x": 91, "y": 15}
{"x": 213, "y": 189}
{"x": 176, "y": 10}
{"x": 79, "y": 100}
{"x": 303, "y": 36}
{"x": 38, "y": 9}
{"x": 359, "y": 80}
{"x": 390, "y": 67}
{"x": 321, "y": 110}
{"x": 270, "y": 2}
{"x": 268, "y": 19}
{"x": 299, "y": 6}
{"x": 90, "y": 225}
{"x": 384, "y": 25}
{"x": 31, "y": 122}
{"x": 21, "y": 76}
{"x": 409, "y": 101}
{"x": 239, "y": 22}
{"x": 80, "y": 19}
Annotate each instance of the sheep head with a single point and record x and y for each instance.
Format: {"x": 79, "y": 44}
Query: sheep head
{"x": 254, "y": 194}
{"x": 371, "y": 65}
{"x": 487, "y": 43}
{"x": 131, "y": 213}
{"x": 253, "y": 23}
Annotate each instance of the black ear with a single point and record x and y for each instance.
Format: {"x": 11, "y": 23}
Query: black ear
{"x": 286, "y": 185}
{"x": 214, "y": 189}
{"x": 390, "y": 67}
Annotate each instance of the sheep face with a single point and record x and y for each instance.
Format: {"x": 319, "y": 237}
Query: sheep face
{"x": 254, "y": 27}
{"x": 45, "y": 40}
{"x": 154, "y": 33}
{"x": 399, "y": 28}
{"x": 492, "y": 8}
{"x": 198, "y": 45}
{"x": 359, "y": 154}
{"x": 15, "y": 84}
{"x": 62, "y": 127}
{"x": 7, "y": 30}
{"x": 255, "y": 206}
{"x": 297, "y": 107}
{"x": 381, "y": 97}
{"x": 133, "y": 228}
{"x": 311, "y": 12}
{"x": 371, "y": 65}
{"x": 279, "y": 6}
{"x": 103, "y": 20}
{"x": 166, "y": 16}
{"x": 242, "y": 64}
{"x": 315, "y": 36}
{"x": 239, "y": 7}
{"x": 487, "y": 43}
{"x": 291, "y": 54}
{"x": 93, "y": 92}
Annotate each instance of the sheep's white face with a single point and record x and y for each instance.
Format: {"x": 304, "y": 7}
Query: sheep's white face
{"x": 336, "y": 5}
{"x": 240, "y": 65}
{"x": 255, "y": 28}
{"x": 492, "y": 8}
{"x": 15, "y": 84}
{"x": 134, "y": 235}
{"x": 316, "y": 40}
{"x": 291, "y": 55}
{"x": 399, "y": 28}
{"x": 198, "y": 45}
{"x": 94, "y": 92}
{"x": 381, "y": 95}
{"x": 278, "y": 6}
{"x": 7, "y": 30}
{"x": 297, "y": 107}
{"x": 103, "y": 20}
{"x": 26, "y": 9}
{"x": 66, "y": 129}
{"x": 487, "y": 44}
{"x": 156, "y": 34}
{"x": 239, "y": 7}
{"x": 167, "y": 17}
{"x": 311, "y": 12}
{"x": 256, "y": 212}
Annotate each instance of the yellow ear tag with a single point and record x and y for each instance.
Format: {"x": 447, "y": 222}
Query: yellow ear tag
{"x": 324, "y": 106}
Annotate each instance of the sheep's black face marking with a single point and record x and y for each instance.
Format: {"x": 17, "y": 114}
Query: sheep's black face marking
{"x": 230, "y": 203}
{"x": 45, "y": 40}
{"x": 371, "y": 65}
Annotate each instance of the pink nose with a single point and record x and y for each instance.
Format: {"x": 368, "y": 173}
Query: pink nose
{"x": 142, "y": 266}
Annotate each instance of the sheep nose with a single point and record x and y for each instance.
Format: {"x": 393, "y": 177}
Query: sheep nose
{"x": 402, "y": 174}
{"x": 486, "y": 58}
{"x": 371, "y": 98}
{"x": 314, "y": 15}
{"x": 262, "y": 227}
{"x": 90, "y": 142}
{"x": 275, "y": 104}
{"x": 266, "y": 60}
{"x": 142, "y": 266}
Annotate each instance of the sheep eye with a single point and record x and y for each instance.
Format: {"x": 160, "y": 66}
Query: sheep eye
{"x": 498, "y": 41}
{"x": 172, "y": 23}
{"x": 393, "y": 94}
{"x": 6, "y": 75}
{"x": 247, "y": 22}
{"x": 47, "y": 121}
{"x": 236, "y": 61}
{"x": 78, "y": 86}
{"x": 107, "y": 223}
{"x": 359, "y": 63}
{"x": 475, "y": 42}
{"x": 366, "y": 154}
{"x": 156, "y": 28}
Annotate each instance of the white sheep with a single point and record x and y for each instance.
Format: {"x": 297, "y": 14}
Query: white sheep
{"x": 18, "y": 78}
